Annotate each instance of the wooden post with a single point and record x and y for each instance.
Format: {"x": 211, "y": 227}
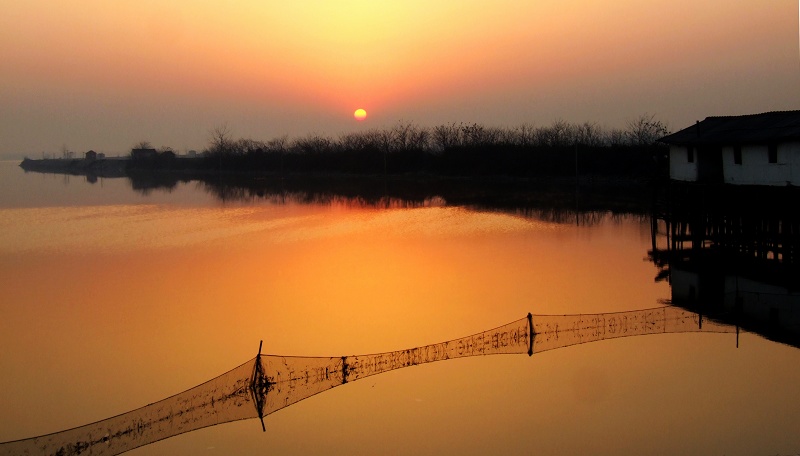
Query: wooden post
{"x": 531, "y": 334}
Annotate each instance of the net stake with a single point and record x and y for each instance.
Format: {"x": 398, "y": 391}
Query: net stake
{"x": 530, "y": 334}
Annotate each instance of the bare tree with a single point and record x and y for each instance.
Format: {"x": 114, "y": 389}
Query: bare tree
{"x": 615, "y": 137}
{"x": 645, "y": 130}
{"x": 221, "y": 139}
{"x": 420, "y": 138}
{"x": 245, "y": 146}
{"x": 314, "y": 143}
{"x": 445, "y": 136}
{"x": 407, "y": 136}
{"x": 522, "y": 135}
{"x": 143, "y": 145}
{"x": 562, "y": 133}
{"x": 351, "y": 141}
{"x": 588, "y": 134}
{"x": 476, "y": 135}
{"x": 278, "y": 144}
{"x": 377, "y": 140}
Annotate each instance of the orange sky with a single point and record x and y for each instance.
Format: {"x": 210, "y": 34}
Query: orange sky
{"x": 103, "y": 75}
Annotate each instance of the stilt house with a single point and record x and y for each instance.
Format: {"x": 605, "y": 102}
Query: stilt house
{"x": 756, "y": 149}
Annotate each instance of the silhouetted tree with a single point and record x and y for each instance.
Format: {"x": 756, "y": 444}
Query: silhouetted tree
{"x": 588, "y": 134}
{"x": 446, "y": 136}
{"x": 645, "y": 130}
{"x": 221, "y": 140}
{"x": 407, "y": 136}
{"x": 522, "y": 135}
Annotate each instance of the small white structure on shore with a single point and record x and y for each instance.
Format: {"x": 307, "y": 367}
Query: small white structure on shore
{"x": 755, "y": 149}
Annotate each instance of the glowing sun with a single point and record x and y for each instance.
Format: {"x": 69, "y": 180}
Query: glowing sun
{"x": 360, "y": 114}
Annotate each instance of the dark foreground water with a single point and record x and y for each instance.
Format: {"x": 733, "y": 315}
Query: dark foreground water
{"x": 113, "y": 299}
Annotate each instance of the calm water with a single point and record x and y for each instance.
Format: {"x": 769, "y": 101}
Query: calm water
{"x": 113, "y": 299}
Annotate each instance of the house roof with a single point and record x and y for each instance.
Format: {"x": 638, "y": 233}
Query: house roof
{"x": 747, "y": 129}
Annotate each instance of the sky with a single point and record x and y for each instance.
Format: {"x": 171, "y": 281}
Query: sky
{"x": 94, "y": 74}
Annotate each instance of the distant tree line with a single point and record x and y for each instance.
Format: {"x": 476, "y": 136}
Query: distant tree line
{"x": 558, "y": 149}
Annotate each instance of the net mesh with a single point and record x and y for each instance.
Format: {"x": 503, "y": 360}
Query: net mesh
{"x": 287, "y": 380}
{"x": 557, "y": 331}
{"x": 269, "y": 383}
{"x": 223, "y": 399}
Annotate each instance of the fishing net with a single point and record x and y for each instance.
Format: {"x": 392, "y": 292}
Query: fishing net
{"x": 557, "y": 331}
{"x": 286, "y": 380}
{"x": 269, "y": 383}
{"x": 220, "y": 400}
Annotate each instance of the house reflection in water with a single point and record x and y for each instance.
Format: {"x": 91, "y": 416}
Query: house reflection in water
{"x": 733, "y": 251}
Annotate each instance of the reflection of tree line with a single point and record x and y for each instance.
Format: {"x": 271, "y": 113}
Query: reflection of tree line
{"x": 269, "y": 383}
{"x": 559, "y": 201}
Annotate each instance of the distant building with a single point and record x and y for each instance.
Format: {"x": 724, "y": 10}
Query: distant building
{"x": 100, "y": 155}
{"x": 139, "y": 154}
{"x": 91, "y": 155}
{"x": 755, "y": 149}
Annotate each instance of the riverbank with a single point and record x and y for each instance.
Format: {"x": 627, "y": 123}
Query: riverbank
{"x": 558, "y": 196}
{"x": 107, "y": 167}
{"x": 201, "y": 168}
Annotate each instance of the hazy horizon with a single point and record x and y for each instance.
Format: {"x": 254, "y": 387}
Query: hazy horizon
{"x": 104, "y": 76}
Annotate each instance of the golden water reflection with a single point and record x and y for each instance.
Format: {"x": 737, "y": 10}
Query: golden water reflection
{"x": 269, "y": 383}
{"x": 109, "y": 307}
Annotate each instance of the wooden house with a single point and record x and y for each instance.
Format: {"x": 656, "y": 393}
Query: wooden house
{"x": 756, "y": 149}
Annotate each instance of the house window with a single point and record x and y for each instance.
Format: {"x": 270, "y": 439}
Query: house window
{"x": 772, "y": 153}
{"x": 737, "y": 155}
{"x": 690, "y": 154}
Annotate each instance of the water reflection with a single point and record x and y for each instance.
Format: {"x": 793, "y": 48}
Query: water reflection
{"x": 376, "y": 279}
{"x": 268, "y": 383}
{"x": 586, "y": 202}
{"x": 560, "y": 201}
{"x": 734, "y": 253}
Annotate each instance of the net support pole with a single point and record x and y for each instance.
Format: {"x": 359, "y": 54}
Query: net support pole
{"x": 345, "y": 369}
{"x": 259, "y": 387}
{"x": 531, "y": 333}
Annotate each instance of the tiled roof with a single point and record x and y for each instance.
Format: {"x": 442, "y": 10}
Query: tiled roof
{"x": 751, "y": 128}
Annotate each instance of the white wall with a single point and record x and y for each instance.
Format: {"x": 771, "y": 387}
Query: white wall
{"x": 679, "y": 166}
{"x": 791, "y": 152}
{"x": 756, "y": 169}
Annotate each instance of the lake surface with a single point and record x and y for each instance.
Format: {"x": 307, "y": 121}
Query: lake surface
{"x": 113, "y": 299}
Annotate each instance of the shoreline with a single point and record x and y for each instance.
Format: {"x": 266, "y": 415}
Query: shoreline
{"x": 126, "y": 167}
{"x": 587, "y": 193}
{"x": 106, "y": 167}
